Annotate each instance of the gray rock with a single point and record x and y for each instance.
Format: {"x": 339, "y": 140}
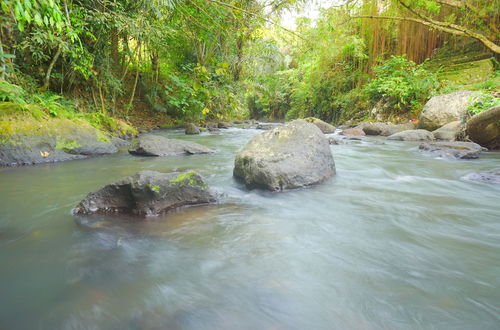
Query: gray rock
{"x": 323, "y": 126}
{"x": 353, "y": 132}
{"x": 448, "y": 132}
{"x": 339, "y": 141}
{"x": 488, "y": 176}
{"x": 412, "y": 135}
{"x": 192, "y": 129}
{"x": 291, "y": 156}
{"x": 120, "y": 143}
{"x": 148, "y": 193}
{"x": 55, "y": 141}
{"x": 223, "y": 124}
{"x": 460, "y": 150}
{"x": 155, "y": 145}
{"x": 266, "y": 127}
{"x": 384, "y": 129}
{"x": 443, "y": 109}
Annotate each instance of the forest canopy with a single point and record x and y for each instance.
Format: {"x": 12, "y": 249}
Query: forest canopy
{"x": 164, "y": 61}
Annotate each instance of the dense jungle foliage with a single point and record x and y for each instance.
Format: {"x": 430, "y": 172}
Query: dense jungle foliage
{"x": 162, "y": 62}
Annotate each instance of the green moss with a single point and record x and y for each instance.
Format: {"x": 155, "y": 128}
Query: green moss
{"x": 189, "y": 179}
{"x": 154, "y": 187}
{"x": 112, "y": 125}
{"x": 67, "y": 146}
{"x": 9, "y": 110}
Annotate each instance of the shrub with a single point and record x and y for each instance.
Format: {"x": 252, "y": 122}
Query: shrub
{"x": 402, "y": 84}
{"x": 483, "y": 103}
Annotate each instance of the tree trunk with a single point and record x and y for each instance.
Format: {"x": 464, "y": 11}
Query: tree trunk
{"x": 3, "y": 66}
{"x": 444, "y": 27}
{"x": 114, "y": 48}
{"x": 131, "y": 101}
{"x": 484, "y": 128}
{"x": 155, "y": 65}
{"x": 51, "y": 66}
{"x": 239, "y": 58}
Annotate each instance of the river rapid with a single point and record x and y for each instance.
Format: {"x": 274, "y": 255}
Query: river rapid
{"x": 396, "y": 240}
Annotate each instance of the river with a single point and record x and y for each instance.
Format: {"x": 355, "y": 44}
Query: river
{"x": 396, "y": 240}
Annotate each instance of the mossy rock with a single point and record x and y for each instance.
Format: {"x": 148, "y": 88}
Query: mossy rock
{"x": 28, "y": 136}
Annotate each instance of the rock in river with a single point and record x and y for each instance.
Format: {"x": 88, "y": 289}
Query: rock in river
{"x": 412, "y": 135}
{"x": 155, "y": 145}
{"x": 461, "y": 150}
{"x": 192, "y": 129}
{"x": 488, "y": 176}
{"x": 323, "y": 126}
{"x": 448, "y": 132}
{"x": 148, "y": 193}
{"x": 294, "y": 155}
{"x": 384, "y": 129}
{"x": 443, "y": 109}
{"x": 353, "y": 132}
{"x": 53, "y": 141}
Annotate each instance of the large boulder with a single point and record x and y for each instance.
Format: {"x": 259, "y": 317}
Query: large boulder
{"x": 291, "y": 156}
{"x": 48, "y": 141}
{"x": 448, "y": 132}
{"x": 458, "y": 150}
{"x": 192, "y": 129}
{"x": 443, "y": 109}
{"x": 148, "y": 193}
{"x": 323, "y": 126}
{"x": 155, "y": 145}
{"x": 484, "y": 128}
{"x": 488, "y": 176}
{"x": 412, "y": 135}
{"x": 384, "y": 129}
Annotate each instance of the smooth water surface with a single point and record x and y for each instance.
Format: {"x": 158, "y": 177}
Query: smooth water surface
{"x": 395, "y": 240}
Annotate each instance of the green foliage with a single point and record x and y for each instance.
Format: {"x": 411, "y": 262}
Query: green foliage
{"x": 401, "y": 83}
{"x": 483, "y": 103}
{"x": 154, "y": 188}
{"x": 11, "y": 93}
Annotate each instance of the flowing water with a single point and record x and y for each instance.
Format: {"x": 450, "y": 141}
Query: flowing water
{"x": 395, "y": 240}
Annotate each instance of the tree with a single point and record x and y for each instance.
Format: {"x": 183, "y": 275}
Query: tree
{"x": 456, "y": 17}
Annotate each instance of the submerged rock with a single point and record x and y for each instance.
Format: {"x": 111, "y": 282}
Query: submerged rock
{"x": 460, "y": 150}
{"x": 412, "y": 135}
{"x": 323, "y": 126}
{"x": 448, "y": 132}
{"x": 294, "y": 155}
{"x": 155, "y": 145}
{"x": 266, "y": 127}
{"x": 339, "y": 141}
{"x": 192, "y": 129}
{"x": 488, "y": 176}
{"x": 353, "y": 132}
{"x": 384, "y": 129}
{"x": 148, "y": 193}
{"x": 443, "y": 109}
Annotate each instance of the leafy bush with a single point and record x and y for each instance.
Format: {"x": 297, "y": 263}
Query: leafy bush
{"x": 11, "y": 93}
{"x": 484, "y": 102}
{"x": 402, "y": 84}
